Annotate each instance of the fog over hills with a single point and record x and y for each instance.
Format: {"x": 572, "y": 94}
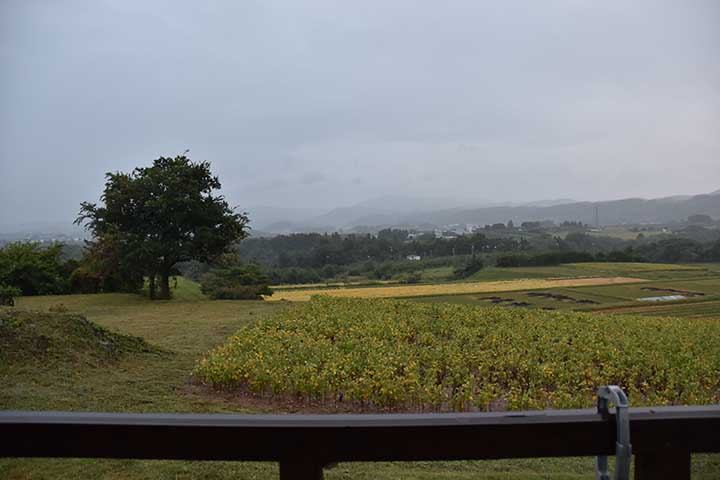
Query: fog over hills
{"x": 428, "y": 213}
{"x": 399, "y": 211}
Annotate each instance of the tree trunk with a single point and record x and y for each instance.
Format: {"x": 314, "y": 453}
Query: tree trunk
{"x": 151, "y": 286}
{"x": 165, "y": 285}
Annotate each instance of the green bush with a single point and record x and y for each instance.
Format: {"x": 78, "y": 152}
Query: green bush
{"x": 8, "y": 294}
{"x": 411, "y": 278}
{"x": 244, "y": 282}
{"x": 470, "y": 268}
{"x": 32, "y": 268}
{"x": 242, "y": 292}
{"x": 103, "y": 269}
{"x": 58, "y": 308}
{"x": 82, "y": 280}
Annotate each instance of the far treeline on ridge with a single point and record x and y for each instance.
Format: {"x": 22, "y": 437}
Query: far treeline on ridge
{"x": 403, "y": 255}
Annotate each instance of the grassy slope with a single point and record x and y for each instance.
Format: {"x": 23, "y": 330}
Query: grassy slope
{"x": 189, "y": 326}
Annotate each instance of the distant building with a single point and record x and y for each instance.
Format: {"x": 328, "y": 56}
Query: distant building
{"x": 446, "y": 233}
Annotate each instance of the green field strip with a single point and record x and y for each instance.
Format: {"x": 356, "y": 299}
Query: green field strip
{"x": 680, "y": 308}
{"x": 590, "y": 292}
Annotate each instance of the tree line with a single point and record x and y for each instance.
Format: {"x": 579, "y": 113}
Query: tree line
{"x": 311, "y": 258}
{"x": 315, "y": 250}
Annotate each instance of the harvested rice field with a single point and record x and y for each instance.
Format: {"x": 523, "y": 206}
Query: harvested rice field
{"x": 400, "y": 291}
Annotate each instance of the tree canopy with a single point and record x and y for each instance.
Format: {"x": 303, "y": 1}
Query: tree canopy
{"x": 33, "y": 269}
{"x": 155, "y": 217}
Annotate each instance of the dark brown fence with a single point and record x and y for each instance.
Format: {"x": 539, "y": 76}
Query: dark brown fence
{"x": 662, "y": 438}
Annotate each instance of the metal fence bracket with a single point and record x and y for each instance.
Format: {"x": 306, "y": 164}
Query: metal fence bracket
{"x": 623, "y": 450}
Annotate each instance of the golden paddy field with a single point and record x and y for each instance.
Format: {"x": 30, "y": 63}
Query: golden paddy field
{"x": 397, "y": 291}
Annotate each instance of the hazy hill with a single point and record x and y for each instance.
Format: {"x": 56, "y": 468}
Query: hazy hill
{"x": 426, "y": 213}
{"x": 631, "y": 210}
{"x": 397, "y": 211}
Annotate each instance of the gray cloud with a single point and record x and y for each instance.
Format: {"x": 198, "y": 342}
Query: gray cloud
{"x": 311, "y": 178}
{"x": 508, "y": 101}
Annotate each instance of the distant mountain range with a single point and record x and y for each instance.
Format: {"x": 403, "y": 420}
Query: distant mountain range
{"x": 428, "y": 213}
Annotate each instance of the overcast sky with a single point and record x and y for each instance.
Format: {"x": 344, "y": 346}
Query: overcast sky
{"x": 327, "y": 103}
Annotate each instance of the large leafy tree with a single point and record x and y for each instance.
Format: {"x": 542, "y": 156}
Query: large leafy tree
{"x": 157, "y": 216}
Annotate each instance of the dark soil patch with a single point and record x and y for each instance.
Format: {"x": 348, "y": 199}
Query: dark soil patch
{"x": 521, "y": 304}
{"x": 560, "y": 297}
{"x": 497, "y": 299}
{"x": 673, "y": 290}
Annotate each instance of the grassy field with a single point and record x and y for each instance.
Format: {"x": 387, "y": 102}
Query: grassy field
{"x": 185, "y": 329}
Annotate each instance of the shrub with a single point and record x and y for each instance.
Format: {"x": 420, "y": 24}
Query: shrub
{"x": 32, "y": 268}
{"x": 245, "y": 282}
{"x": 58, "y": 308}
{"x": 411, "y": 278}
{"x": 242, "y": 292}
{"x": 82, "y": 280}
{"x": 8, "y": 294}
{"x": 508, "y": 261}
{"x": 103, "y": 269}
{"x": 472, "y": 267}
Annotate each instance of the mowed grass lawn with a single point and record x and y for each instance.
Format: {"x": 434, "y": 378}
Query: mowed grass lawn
{"x": 187, "y": 327}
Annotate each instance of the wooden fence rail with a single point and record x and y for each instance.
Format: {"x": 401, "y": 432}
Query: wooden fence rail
{"x": 662, "y": 438}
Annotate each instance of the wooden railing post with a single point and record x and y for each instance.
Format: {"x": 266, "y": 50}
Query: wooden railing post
{"x": 301, "y": 470}
{"x": 673, "y": 464}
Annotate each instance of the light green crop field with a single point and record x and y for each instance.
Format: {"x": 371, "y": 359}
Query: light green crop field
{"x": 699, "y": 309}
{"x": 186, "y": 329}
{"x": 633, "y": 266}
